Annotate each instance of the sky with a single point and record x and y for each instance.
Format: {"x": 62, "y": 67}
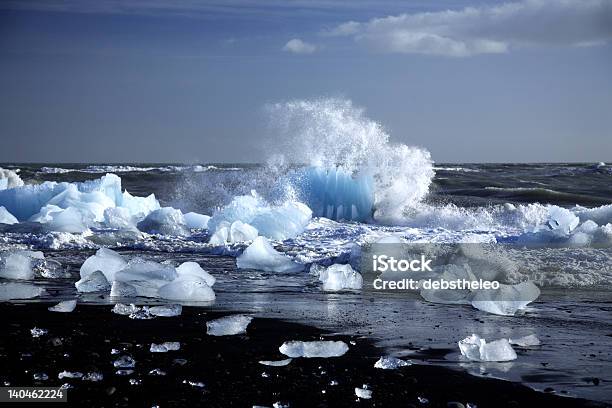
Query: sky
{"x": 188, "y": 81}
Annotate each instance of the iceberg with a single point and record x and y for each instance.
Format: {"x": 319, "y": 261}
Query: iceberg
{"x": 313, "y": 349}
{"x": 65, "y": 306}
{"x": 94, "y": 282}
{"x": 507, "y": 300}
{"x": 390, "y": 363}
{"x": 196, "y": 221}
{"x": 260, "y": 255}
{"x": 477, "y": 349}
{"x": 19, "y": 264}
{"x": 165, "y": 221}
{"x": 340, "y": 277}
{"x": 6, "y": 217}
{"x": 106, "y": 261}
{"x": 15, "y": 290}
{"x": 228, "y": 325}
{"x": 526, "y": 341}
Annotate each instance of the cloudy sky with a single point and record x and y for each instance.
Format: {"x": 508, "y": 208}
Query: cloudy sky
{"x": 187, "y": 80}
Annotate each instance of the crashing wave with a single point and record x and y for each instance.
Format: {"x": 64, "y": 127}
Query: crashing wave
{"x": 9, "y": 179}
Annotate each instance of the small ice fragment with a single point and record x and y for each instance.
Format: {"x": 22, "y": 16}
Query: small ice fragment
{"x": 260, "y": 255}
{"x": 228, "y": 325}
{"x": 124, "y": 372}
{"x": 390, "y": 363}
{"x": 65, "y": 306}
{"x": 16, "y": 290}
{"x": 278, "y": 363}
{"x": 40, "y": 376}
{"x": 527, "y": 341}
{"x": 166, "y": 310}
{"x": 363, "y": 393}
{"x": 122, "y": 289}
{"x": 310, "y": 349}
{"x": 124, "y": 362}
{"x": 125, "y": 310}
{"x": 69, "y": 374}
{"x": 157, "y": 372}
{"x": 477, "y": 349}
{"x": 134, "y": 381}
{"x": 37, "y": 332}
{"x": 423, "y": 400}
{"x": 93, "y": 376}
{"x": 196, "y": 384}
{"x": 280, "y": 405}
{"x": 94, "y": 282}
{"x": 165, "y": 347}
{"x": 340, "y": 277}
{"x": 142, "y": 314}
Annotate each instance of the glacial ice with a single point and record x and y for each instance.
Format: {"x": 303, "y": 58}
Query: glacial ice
{"x": 125, "y": 310}
{"x": 526, "y": 341}
{"x": 390, "y": 363}
{"x": 165, "y": 347}
{"x": 221, "y": 235}
{"x": 124, "y": 362}
{"x": 187, "y": 289}
{"x": 93, "y": 282}
{"x": 166, "y": 221}
{"x": 122, "y": 289}
{"x": 105, "y": 260}
{"x": 17, "y": 290}
{"x": 363, "y": 393}
{"x": 276, "y": 363}
{"x": 9, "y": 179}
{"x": 65, "y": 306}
{"x": 18, "y": 264}
{"x": 507, "y": 300}
{"x": 339, "y": 277}
{"x": 240, "y": 232}
{"x": 260, "y": 255}
{"x": 166, "y": 310}
{"x": 196, "y": 221}
{"x": 69, "y": 374}
{"x": 313, "y": 349}
{"x": 6, "y": 217}
{"x": 193, "y": 269}
{"x": 275, "y": 222}
{"x": 477, "y": 349}
{"x": 228, "y": 325}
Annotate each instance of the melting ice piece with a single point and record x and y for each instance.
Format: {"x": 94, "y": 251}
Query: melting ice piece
{"x": 6, "y": 217}
{"x": 165, "y": 347}
{"x": 507, "y": 300}
{"x": 14, "y": 290}
{"x": 196, "y": 221}
{"x": 310, "y": 349}
{"x": 165, "y": 221}
{"x": 125, "y": 310}
{"x": 188, "y": 288}
{"x": 193, "y": 269}
{"x": 123, "y": 289}
{"x": 166, "y": 310}
{"x": 228, "y": 325}
{"x": 105, "y": 260}
{"x": 363, "y": 393}
{"x": 65, "y": 306}
{"x": 260, "y": 255}
{"x": 70, "y": 374}
{"x": 18, "y": 264}
{"x": 93, "y": 376}
{"x": 340, "y": 277}
{"x": 37, "y": 332}
{"x": 124, "y": 362}
{"x": 94, "y": 282}
{"x": 477, "y": 349}
{"x": 278, "y": 363}
{"x": 526, "y": 341}
{"x": 390, "y": 363}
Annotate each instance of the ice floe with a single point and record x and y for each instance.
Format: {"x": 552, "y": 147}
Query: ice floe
{"x": 390, "y": 363}
{"x": 339, "y": 277}
{"x": 65, "y": 306}
{"x": 228, "y": 325}
{"x": 260, "y": 255}
{"x": 476, "y": 348}
{"x": 312, "y": 349}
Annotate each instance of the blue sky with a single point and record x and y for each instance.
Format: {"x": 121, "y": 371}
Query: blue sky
{"x": 186, "y": 81}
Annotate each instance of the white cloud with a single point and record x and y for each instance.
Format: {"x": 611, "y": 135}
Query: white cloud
{"x": 486, "y": 30}
{"x": 298, "y": 46}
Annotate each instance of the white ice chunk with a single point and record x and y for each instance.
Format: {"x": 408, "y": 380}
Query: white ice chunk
{"x": 125, "y": 310}
{"x": 526, "y": 341}
{"x": 340, "y": 277}
{"x": 67, "y": 220}
{"x": 65, "y": 306}
{"x": 507, "y": 300}
{"x": 6, "y": 217}
{"x": 363, "y": 393}
{"x": 94, "y": 282}
{"x": 166, "y": 221}
{"x": 390, "y": 363}
{"x": 166, "y": 310}
{"x": 311, "y": 349}
{"x": 70, "y": 374}
{"x": 18, "y": 264}
{"x": 187, "y": 289}
{"x": 105, "y": 260}
{"x": 165, "y": 347}
{"x": 122, "y": 289}
{"x": 14, "y": 290}
{"x": 193, "y": 269}
{"x": 139, "y": 269}
{"x": 276, "y": 363}
{"x": 262, "y": 256}
{"x": 139, "y": 207}
{"x": 119, "y": 218}
{"x": 124, "y": 362}
{"x": 228, "y": 325}
{"x": 477, "y": 349}
{"x": 240, "y": 232}
{"x": 220, "y": 237}
{"x": 195, "y": 220}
